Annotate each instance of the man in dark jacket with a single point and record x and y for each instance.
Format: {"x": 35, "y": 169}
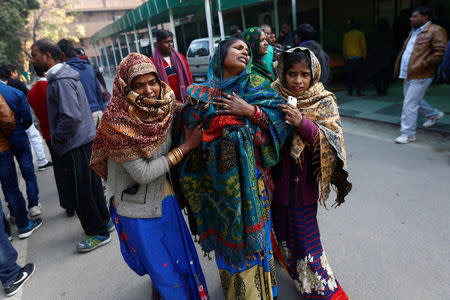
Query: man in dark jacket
{"x": 20, "y": 144}
{"x": 19, "y": 147}
{"x": 305, "y": 38}
{"x": 72, "y": 131}
{"x": 87, "y": 77}
{"x": 10, "y": 72}
{"x": 12, "y": 275}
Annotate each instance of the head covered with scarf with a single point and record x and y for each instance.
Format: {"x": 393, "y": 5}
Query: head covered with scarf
{"x": 253, "y": 37}
{"x": 319, "y": 106}
{"x": 219, "y": 178}
{"x": 132, "y": 126}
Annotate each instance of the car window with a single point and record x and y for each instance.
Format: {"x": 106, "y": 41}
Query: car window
{"x": 199, "y": 48}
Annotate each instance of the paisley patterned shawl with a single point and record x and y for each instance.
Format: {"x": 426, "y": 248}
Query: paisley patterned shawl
{"x": 319, "y": 106}
{"x": 219, "y": 178}
{"x": 132, "y": 126}
{"x": 253, "y": 38}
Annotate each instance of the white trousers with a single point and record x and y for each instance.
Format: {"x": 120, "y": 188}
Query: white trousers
{"x": 36, "y": 142}
{"x": 413, "y": 104}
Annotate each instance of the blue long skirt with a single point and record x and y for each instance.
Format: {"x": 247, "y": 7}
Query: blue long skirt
{"x": 163, "y": 249}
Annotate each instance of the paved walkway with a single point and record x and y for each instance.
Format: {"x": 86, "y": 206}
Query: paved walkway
{"x": 389, "y": 108}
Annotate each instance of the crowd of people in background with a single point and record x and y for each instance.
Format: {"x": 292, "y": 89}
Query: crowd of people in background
{"x": 250, "y": 153}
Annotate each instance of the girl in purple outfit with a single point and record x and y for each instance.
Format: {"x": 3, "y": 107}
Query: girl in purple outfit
{"x": 314, "y": 154}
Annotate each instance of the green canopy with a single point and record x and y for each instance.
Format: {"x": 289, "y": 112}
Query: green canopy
{"x": 155, "y": 10}
{"x": 158, "y": 12}
{"x": 228, "y": 4}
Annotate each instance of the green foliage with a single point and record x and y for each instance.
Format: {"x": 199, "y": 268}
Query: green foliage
{"x": 54, "y": 20}
{"x": 13, "y": 19}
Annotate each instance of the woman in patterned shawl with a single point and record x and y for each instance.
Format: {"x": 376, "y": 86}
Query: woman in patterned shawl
{"x": 313, "y": 154}
{"x": 226, "y": 180}
{"x": 131, "y": 152}
{"x": 256, "y": 38}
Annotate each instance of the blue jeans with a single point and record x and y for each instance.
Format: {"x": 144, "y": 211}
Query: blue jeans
{"x": 413, "y": 104}
{"x": 10, "y": 186}
{"x": 25, "y": 160}
{"x": 9, "y": 269}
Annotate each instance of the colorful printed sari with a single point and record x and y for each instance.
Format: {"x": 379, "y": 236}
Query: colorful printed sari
{"x": 259, "y": 65}
{"x": 133, "y": 127}
{"x": 298, "y": 245}
{"x": 223, "y": 182}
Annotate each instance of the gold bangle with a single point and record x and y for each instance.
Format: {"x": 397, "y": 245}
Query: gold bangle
{"x": 177, "y": 151}
{"x": 171, "y": 158}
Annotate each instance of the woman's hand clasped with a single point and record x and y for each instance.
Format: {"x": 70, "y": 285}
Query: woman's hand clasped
{"x": 293, "y": 115}
{"x": 233, "y": 105}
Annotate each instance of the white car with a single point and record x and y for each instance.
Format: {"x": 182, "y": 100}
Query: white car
{"x": 198, "y": 57}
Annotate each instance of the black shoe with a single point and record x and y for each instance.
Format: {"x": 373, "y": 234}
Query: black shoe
{"x": 70, "y": 212}
{"x": 27, "y": 231}
{"x": 46, "y": 166}
{"x": 24, "y": 274}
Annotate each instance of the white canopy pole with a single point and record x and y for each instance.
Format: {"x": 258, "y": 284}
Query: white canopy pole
{"x": 294, "y": 15}
{"x": 120, "y": 47}
{"x": 107, "y": 58}
{"x": 275, "y": 12}
{"x": 150, "y": 36}
{"x": 128, "y": 43}
{"x": 172, "y": 29}
{"x": 219, "y": 13}
{"x": 321, "y": 21}
{"x": 136, "y": 41}
{"x": 114, "y": 52}
{"x": 244, "y": 26}
{"x": 209, "y": 25}
{"x": 95, "y": 55}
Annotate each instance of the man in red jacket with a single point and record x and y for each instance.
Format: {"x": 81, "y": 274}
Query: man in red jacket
{"x": 172, "y": 66}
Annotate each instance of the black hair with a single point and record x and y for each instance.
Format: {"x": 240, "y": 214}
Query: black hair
{"x": 48, "y": 46}
{"x": 226, "y": 45}
{"x": 306, "y": 32}
{"x": 12, "y": 68}
{"x": 39, "y": 72}
{"x": 265, "y": 25}
{"x": 383, "y": 25}
{"x": 298, "y": 56}
{"x": 234, "y": 31}
{"x": 80, "y": 51}
{"x": 163, "y": 35}
{"x": 4, "y": 72}
{"x": 354, "y": 24}
{"x": 425, "y": 11}
{"x": 67, "y": 48}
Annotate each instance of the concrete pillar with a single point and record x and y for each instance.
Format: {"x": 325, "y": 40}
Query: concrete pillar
{"x": 128, "y": 43}
{"x": 107, "y": 58}
{"x": 114, "y": 53}
{"x": 209, "y": 25}
{"x": 219, "y": 13}
{"x": 172, "y": 29}
{"x": 277, "y": 21}
{"x": 321, "y": 21}
{"x": 294, "y": 15}
{"x": 120, "y": 47}
{"x": 244, "y": 26}
{"x": 150, "y": 36}
{"x": 136, "y": 41}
